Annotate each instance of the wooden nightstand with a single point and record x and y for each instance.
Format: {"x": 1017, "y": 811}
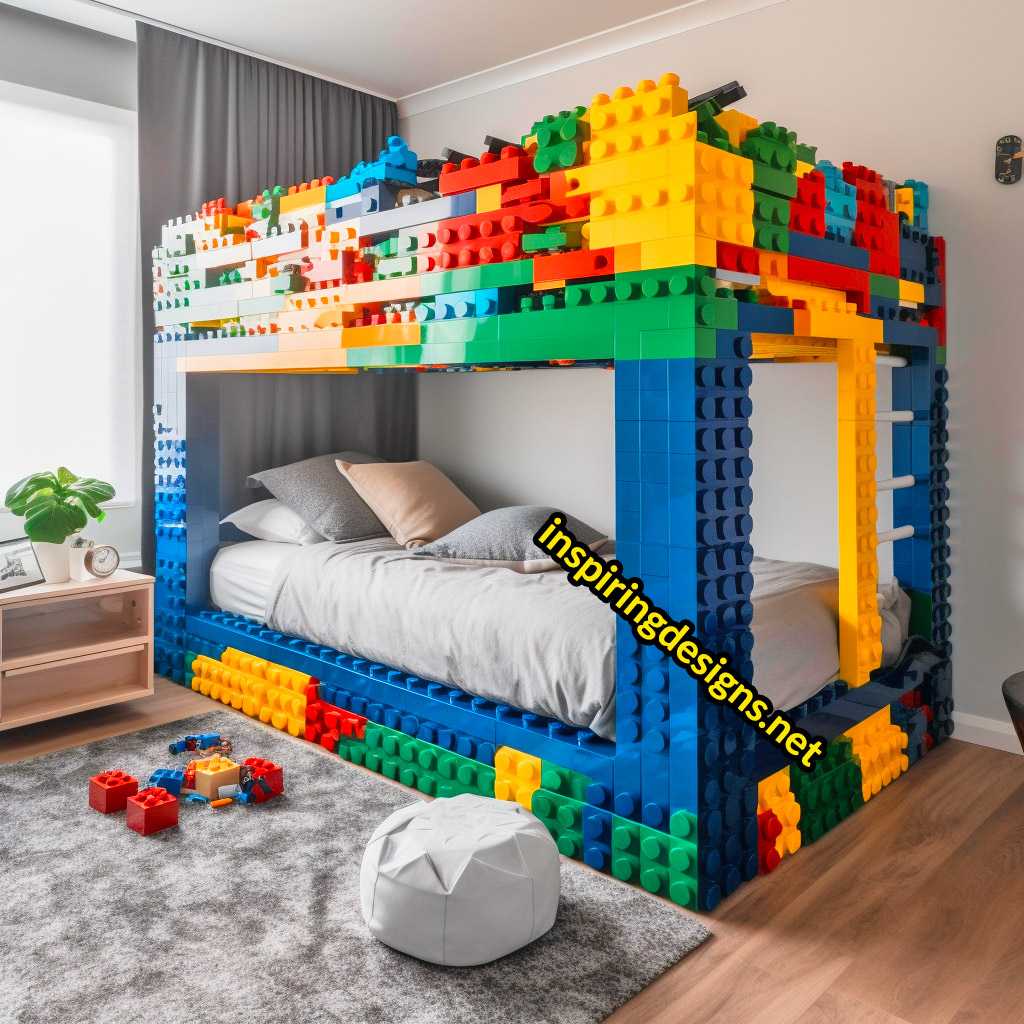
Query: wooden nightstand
{"x": 67, "y": 647}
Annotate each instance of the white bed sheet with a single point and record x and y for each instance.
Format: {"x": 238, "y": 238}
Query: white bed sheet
{"x": 795, "y": 624}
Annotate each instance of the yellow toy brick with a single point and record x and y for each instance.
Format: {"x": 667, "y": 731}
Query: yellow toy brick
{"x": 878, "y": 744}
{"x": 774, "y": 794}
{"x": 488, "y": 198}
{"x": 516, "y": 775}
{"x": 213, "y": 773}
{"x": 911, "y": 291}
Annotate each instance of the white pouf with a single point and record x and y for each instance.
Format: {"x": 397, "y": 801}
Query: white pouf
{"x": 460, "y": 880}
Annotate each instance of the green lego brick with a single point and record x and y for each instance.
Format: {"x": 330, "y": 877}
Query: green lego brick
{"x": 542, "y": 349}
{"x": 920, "y": 613}
{"x": 882, "y": 284}
{"x": 829, "y": 793}
{"x": 668, "y": 867}
{"x": 467, "y": 279}
{"x": 670, "y": 343}
{"x": 940, "y": 355}
{"x": 558, "y": 236}
{"x": 563, "y": 818}
{"x": 806, "y": 154}
{"x": 462, "y": 330}
{"x": 593, "y": 324}
{"x": 424, "y": 766}
{"x": 772, "y": 146}
{"x": 385, "y": 355}
{"x": 773, "y": 181}
{"x": 564, "y": 781}
{"x": 683, "y": 825}
{"x": 397, "y": 266}
{"x": 560, "y": 140}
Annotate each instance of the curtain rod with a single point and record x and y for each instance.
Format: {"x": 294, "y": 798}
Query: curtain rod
{"x": 230, "y": 46}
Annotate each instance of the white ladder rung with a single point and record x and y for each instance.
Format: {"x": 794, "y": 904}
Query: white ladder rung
{"x": 900, "y": 533}
{"x": 895, "y": 483}
{"x": 895, "y": 416}
{"x": 890, "y": 361}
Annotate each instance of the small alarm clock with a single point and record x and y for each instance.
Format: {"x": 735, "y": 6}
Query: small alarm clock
{"x": 102, "y": 560}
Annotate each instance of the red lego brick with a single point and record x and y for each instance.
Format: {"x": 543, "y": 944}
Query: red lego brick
{"x": 737, "y": 258}
{"x": 326, "y": 724}
{"x": 856, "y": 283}
{"x": 269, "y": 773}
{"x": 512, "y": 165}
{"x": 807, "y": 210}
{"x": 480, "y": 238}
{"x": 769, "y": 828}
{"x": 109, "y": 791}
{"x": 567, "y": 266}
{"x": 152, "y": 810}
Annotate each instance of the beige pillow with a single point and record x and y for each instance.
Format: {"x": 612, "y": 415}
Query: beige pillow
{"x": 414, "y": 500}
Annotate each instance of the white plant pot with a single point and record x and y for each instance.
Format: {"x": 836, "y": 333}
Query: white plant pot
{"x": 54, "y": 560}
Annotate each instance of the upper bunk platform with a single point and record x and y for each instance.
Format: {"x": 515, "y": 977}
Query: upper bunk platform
{"x": 634, "y": 228}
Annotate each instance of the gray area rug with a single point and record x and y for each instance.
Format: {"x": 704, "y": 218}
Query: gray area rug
{"x": 250, "y": 915}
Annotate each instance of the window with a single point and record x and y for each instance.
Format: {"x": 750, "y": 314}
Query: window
{"x": 68, "y": 284}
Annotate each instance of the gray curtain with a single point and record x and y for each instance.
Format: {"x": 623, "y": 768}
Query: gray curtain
{"x": 214, "y": 123}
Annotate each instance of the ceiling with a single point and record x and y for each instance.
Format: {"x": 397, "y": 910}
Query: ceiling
{"x": 405, "y": 51}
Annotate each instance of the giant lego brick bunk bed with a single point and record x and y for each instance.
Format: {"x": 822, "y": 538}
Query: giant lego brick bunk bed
{"x": 677, "y": 243}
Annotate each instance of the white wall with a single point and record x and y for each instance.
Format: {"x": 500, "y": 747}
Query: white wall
{"x": 916, "y": 88}
{"x": 53, "y": 55}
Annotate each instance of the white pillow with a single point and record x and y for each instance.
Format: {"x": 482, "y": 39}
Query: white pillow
{"x": 272, "y": 520}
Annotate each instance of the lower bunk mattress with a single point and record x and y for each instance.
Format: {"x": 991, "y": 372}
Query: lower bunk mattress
{"x": 533, "y": 641}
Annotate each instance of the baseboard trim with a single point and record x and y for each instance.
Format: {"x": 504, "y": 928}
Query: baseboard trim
{"x": 986, "y": 732}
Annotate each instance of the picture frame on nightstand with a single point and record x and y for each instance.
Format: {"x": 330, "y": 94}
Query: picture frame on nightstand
{"x": 18, "y": 565}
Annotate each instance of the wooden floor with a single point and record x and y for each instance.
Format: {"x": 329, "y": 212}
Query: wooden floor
{"x": 911, "y": 913}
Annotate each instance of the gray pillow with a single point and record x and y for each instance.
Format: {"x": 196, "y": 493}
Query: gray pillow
{"x": 504, "y": 538}
{"x": 322, "y": 497}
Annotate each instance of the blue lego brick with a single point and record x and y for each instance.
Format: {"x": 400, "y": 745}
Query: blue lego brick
{"x": 827, "y": 251}
{"x": 597, "y": 838}
{"x": 431, "y": 211}
{"x": 395, "y": 163}
{"x": 755, "y": 318}
{"x": 901, "y": 332}
{"x": 170, "y": 779}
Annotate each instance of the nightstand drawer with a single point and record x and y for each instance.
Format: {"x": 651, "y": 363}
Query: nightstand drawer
{"x": 45, "y": 691}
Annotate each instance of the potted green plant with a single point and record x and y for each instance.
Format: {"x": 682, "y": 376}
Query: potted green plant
{"x": 55, "y": 507}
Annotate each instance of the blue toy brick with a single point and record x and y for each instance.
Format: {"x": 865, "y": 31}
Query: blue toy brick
{"x": 813, "y": 248}
{"x": 597, "y": 836}
{"x": 755, "y": 318}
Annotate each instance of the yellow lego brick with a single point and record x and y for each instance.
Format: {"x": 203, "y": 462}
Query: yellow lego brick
{"x": 878, "y": 745}
{"x": 774, "y": 794}
{"x": 627, "y": 258}
{"x": 213, "y": 773}
{"x": 677, "y": 252}
{"x": 308, "y": 197}
{"x": 488, "y": 198}
{"x": 799, "y": 291}
{"x": 516, "y": 775}
{"x": 624, "y": 117}
{"x": 737, "y": 124}
{"x": 911, "y": 291}
{"x": 828, "y": 321}
{"x": 383, "y": 334}
{"x": 646, "y": 164}
{"x": 803, "y": 169}
{"x": 905, "y": 204}
{"x": 772, "y": 264}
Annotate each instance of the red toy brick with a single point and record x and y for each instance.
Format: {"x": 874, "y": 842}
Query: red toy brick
{"x": 567, "y": 266}
{"x": 856, "y": 283}
{"x": 512, "y": 165}
{"x": 152, "y": 810}
{"x": 109, "y": 791}
{"x": 769, "y": 828}
{"x": 737, "y": 258}
{"x": 268, "y": 772}
{"x": 480, "y": 238}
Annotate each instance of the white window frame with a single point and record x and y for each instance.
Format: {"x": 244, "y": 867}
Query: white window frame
{"x": 122, "y": 525}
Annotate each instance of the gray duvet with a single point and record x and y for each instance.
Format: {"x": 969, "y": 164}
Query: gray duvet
{"x": 533, "y": 640}
{"x": 530, "y": 640}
